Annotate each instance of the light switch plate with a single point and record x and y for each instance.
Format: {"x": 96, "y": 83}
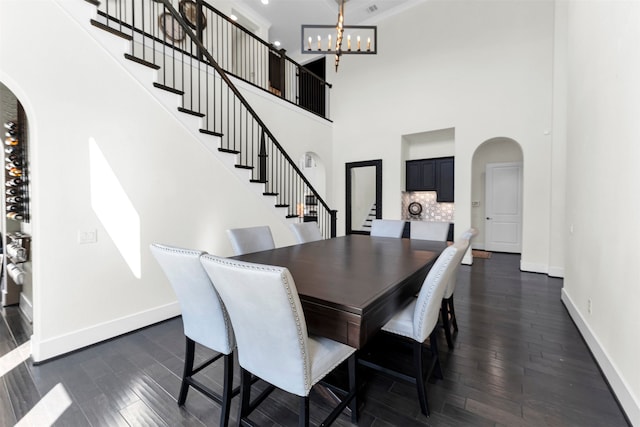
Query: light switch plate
{"x": 87, "y": 236}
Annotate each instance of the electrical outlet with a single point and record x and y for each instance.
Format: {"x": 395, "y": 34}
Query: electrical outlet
{"x": 88, "y": 236}
{"x": 589, "y": 305}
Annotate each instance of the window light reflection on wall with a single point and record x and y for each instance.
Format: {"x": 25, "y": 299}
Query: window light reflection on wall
{"x": 114, "y": 209}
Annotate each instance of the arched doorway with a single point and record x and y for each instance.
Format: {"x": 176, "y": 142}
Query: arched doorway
{"x": 494, "y": 151}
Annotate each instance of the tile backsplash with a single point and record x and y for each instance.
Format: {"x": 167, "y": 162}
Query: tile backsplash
{"x": 431, "y": 210}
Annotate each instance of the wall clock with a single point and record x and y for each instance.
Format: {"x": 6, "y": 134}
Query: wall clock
{"x": 415, "y": 208}
{"x": 171, "y": 27}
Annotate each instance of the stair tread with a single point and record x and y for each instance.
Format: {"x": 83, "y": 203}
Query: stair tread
{"x": 210, "y": 132}
{"x": 141, "y": 61}
{"x": 228, "y": 150}
{"x": 244, "y": 167}
{"x": 168, "y": 88}
{"x": 188, "y": 111}
{"x": 108, "y": 29}
{"x": 282, "y": 206}
{"x": 270, "y": 194}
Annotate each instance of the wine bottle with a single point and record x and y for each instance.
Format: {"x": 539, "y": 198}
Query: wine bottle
{"x": 13, "y": 157}
{"x": 12, "y": 149}
{"x": 14, "y": 208}
{"x": 12, "y": 191}
{"x": 11, "y": 141}
{"x": 15, "y": 172}
{"x": 15, "y": 215}
{"x": 15, "y": 199}
{"x": 14, "y": 182}
{"x": 10, "y": 125}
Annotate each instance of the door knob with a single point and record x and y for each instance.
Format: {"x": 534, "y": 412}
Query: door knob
{"x": 488, "y": 218}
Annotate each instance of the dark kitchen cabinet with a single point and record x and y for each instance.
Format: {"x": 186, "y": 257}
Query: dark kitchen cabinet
{"x": 421, "y": 175}
{"x": 432, "y": 175}
{"x": 444, "y": 179}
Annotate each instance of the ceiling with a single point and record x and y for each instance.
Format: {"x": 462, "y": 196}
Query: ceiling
{"x": 286, "y": 16}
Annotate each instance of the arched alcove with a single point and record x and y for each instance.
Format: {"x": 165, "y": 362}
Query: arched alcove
{"x": 314, "y": 170}
{"x": 494, "y": 150}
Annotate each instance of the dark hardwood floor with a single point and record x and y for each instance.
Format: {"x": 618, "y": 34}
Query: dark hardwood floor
{"x": 518, "y": 361}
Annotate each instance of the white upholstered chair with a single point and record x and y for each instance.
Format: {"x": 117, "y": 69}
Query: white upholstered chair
{"x": 204, "y": 319}
{"x": 251, "y": 239}
{"x": 306, "y": 232}
{"x": 387, "y": 228}
{"x": 448, "y": 310}
{"x": 271, "y": 334}
{"x": 470, "y": 234}
{"x": 429, "y": 230}
{"x": 418, "y": 321}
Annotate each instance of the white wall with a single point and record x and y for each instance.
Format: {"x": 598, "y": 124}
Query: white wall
{"x": 170, "y": 186}
{"x": 557, "y": 229}
{"x": 483, "y": 68}
{"x": 603, "y": 183}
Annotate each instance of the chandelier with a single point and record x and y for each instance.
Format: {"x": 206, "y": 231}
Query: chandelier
{"x": 317, "y": 39}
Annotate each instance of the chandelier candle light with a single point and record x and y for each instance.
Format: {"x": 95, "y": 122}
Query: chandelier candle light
{"x": 324, "y": 32}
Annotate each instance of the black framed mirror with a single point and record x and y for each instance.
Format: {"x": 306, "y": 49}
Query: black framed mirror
{"x": 363, "y": 195}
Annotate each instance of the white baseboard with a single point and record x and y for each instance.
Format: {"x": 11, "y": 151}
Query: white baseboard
{"x": 26, "y": 307}
{"x": 617, "y": 383}
{"x": 56, "y": 346}
{"x": 556, "y": 272}
{"x": 534, "y": 268}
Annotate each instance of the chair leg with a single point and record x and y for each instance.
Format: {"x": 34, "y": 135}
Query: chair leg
{"x": 227, "y": 392}
{"x": 444, "y": 313}
{"x": 452, "y": 310}
{"x": 245, "y": 395}
{"x": 188, "y": 369}
{"x": 303, "y": 416}
{"x": 420, "y": 384}
{"x": 435, "y": 355}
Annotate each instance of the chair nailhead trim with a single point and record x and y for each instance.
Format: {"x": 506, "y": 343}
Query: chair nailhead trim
{"x": 436, "y": 280}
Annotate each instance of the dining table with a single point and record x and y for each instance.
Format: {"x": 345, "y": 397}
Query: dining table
{"x": 350, "y": 286}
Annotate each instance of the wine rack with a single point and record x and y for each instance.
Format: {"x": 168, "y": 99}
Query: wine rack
{"x": 15, "y": 152}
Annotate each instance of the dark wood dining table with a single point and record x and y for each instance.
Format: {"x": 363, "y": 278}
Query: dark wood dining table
{"x": 350, "y": 286}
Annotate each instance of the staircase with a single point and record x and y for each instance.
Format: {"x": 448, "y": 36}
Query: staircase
{"x": 165, "y": 40}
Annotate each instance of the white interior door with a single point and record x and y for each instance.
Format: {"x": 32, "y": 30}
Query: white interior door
{"x": 503, "y": 211}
